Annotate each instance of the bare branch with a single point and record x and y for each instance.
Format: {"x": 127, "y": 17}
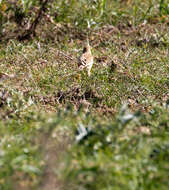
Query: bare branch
{"x": 31, "y": 31}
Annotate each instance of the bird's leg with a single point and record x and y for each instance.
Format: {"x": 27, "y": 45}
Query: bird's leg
{"x": 88, "y": 71}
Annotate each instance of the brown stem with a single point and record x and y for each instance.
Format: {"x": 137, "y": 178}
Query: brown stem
{"x": 31, "y": 31}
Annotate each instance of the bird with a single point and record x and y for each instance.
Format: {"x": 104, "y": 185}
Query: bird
{"x": 86, "y": 59}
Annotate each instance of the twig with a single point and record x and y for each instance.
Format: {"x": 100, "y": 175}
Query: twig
{"x": 31, "y": 31}
{"x": 66, "y": 55}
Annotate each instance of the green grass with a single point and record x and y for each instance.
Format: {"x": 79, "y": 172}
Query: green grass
{"x": 124, "y": 153}
{"x": 60, "y": 128}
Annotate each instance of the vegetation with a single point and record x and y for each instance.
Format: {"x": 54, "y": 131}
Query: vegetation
{"x": 61, "y": 129}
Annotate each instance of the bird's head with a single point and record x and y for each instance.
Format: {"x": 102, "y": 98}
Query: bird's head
{"x": 86, "y": 47}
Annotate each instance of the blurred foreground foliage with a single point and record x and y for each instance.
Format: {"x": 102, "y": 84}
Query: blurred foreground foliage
{"x": 130, "y": 150}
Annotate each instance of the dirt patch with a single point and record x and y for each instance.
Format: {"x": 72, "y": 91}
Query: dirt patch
{"x": 76, "y": 96}
{"x": 54, "y": 149}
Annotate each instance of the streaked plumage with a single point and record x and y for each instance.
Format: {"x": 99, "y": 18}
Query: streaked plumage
{"x": 86, "y": 59}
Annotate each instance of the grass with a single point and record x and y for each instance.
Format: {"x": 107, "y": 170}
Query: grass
{"x": 124, "y": 153}
{"x": 59, "y": 128}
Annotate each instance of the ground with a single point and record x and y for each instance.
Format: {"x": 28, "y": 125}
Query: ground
{"x": 61, "y": 128}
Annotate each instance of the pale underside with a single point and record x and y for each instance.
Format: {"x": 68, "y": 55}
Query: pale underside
{"x": 86, "y": 60}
